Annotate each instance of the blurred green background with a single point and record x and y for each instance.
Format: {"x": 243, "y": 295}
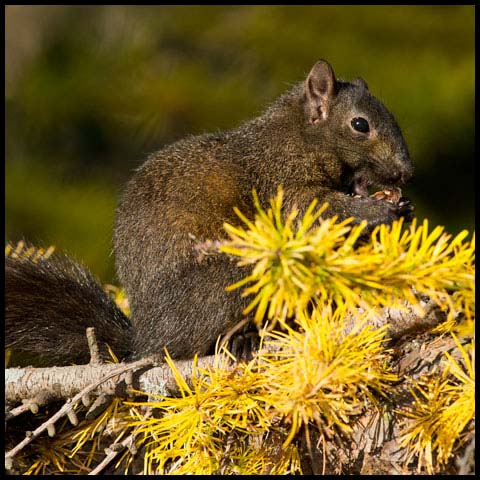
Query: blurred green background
{"x": 91, "y": 90}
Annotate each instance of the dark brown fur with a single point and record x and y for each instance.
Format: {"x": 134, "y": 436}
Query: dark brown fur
{"x": 184, "y": 193}
{"x": 49, "y": 305}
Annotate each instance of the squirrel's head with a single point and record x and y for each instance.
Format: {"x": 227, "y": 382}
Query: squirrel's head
{"x": 356, "y": 129}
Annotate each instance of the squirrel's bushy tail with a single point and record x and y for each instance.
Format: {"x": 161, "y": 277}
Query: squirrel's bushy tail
{"x": 49, "y": 303}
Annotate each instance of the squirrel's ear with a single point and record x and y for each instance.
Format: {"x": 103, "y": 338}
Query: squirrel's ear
{"x": 321, "y": 88}
{"x": 360, "y": 82}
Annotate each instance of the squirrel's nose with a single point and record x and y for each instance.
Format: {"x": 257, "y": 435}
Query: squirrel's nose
{"x": 402, "y": 168}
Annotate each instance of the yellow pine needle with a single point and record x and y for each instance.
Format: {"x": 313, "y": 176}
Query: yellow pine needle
{"x": 112, "y": 418}
{"x": 318, "y": 374}
{"x": 321, "y": 374}
{"x": 314, "y": 259}
{"x": 220, "y": 400}
{"x": 447, "y": 407}
{"x": 21, "y": 250}
{"x": 57, "y": 456}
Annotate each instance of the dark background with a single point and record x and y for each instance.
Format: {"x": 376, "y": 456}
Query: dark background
{"x": 91, "y": 90}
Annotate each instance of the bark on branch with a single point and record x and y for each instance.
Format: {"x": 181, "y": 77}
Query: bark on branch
{"x": 373, "y": 447}
{"x": 57, "y": 383}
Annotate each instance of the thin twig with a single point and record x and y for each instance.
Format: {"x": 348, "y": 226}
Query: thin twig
{"x": 14, "y": 412}
{"x": 69, "y": 405}
{"x": 30, "y": 404}
{"x": 114, "y": 450}
{"x": 95, "y": 358}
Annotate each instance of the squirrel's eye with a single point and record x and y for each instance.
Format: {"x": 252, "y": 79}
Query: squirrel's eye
{"x": 360, "y": 125}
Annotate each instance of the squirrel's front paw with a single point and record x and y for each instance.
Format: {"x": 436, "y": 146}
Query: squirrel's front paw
{"x": 398, "y": 206}
{"x": 394, "y": 211}
{"x": 385, "y": 212}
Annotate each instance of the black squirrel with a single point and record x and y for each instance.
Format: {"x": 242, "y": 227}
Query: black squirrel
{"x": 324, "y": 138}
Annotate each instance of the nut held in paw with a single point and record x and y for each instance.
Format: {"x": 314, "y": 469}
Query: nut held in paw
{"x": 391, "y": 195}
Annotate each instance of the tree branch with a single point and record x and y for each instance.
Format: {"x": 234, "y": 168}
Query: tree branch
{"x": 59, "y": 383}
{"x": 67, "y": 408}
